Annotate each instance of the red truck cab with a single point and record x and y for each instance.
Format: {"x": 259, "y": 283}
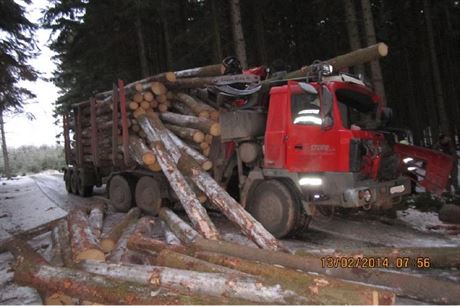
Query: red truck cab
{"x": 322, "y": 147}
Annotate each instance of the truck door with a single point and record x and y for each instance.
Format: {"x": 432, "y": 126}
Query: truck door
{"x": 309, "y": 147}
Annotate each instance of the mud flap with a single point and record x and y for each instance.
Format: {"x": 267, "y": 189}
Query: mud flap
{"x": 432, "y": 167}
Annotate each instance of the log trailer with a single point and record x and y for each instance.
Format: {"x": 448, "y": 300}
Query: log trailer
{"x": 306, "y": 145}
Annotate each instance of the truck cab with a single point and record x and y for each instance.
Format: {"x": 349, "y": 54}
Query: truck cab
{"x": 321, "y": 147}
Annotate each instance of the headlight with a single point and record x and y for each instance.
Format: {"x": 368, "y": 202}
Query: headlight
{"x": 310, "y": 181}
{"x": 411, "y": 168}
{"x": 408, "y": 160}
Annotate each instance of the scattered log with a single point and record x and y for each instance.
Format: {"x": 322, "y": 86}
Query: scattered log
{"x": 206, "y": 71}
{"x": 205, "y": 125}
{"x": 144, "y": 226}
{"x": 140, "y": 243}
{"x": 63, "y": 236}
{"x": 195, "y": 211}
{"x": 196, "y": 283}
{"x": 356, "y": 57}
{"x": 180, "y": 228}
{"x": 109, "y": 240}
{"x": 421, "y": 287}
{"x": 186, "y": 133}
{"x": 170, "y": 238}
{"x": 56, "y": 258}
{"x": 96, "y": 218}
{"x": 198, "y": 107}
{"x": 435, "y": 257}
{"x": 83, "y": 242}
{"x": 319, "y": 289}
{"x": 121, "y": 248}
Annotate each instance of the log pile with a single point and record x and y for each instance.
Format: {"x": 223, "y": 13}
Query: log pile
{"x": 182, "y": 267}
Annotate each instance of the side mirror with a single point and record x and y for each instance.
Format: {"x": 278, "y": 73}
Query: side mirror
{"x": 386, "y": 115}
{"x": 326, "y": 108}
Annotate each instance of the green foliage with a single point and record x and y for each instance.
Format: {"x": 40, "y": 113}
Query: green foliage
{"x": 31, "y": 159}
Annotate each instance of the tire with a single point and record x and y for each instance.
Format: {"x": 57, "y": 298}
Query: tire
{"x": 67, "y": 176}
{"x": 84, "y": 190}
{"x": 120, "y": 193}
{"x": 74, "y": 182}
{"x": 273, "y": 204}
{"x": 148, "y": 195}
{"x": 450, "y": 213}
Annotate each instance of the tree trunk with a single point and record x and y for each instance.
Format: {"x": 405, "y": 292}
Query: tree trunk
{"x": 218, "y": 54}
{"x": 258, "y": 13}
{"x": 376, "y": 71}
{"x": 96, "y": 219}
{"x": 83, "y": 242}
{"x": 61, "y": 231}
{"x": 139, "y": 151}
{"x": 186, "y": 133}
{"x": 141, "y": 43}
{"x": 109, "y": 240}
{"x": 180, "y": 228}
{"x": 197, "y": 283}
{"x": 200, "y": 72}
{"x": 166, "y": 36}
{"x": 200, "y": 108}
{"x": 353, "y": 31}
{"x": 6, "y": 159}
{"x": 319, "y": 289}
{"x": 181, "y": 108}
{"x": 140, "y": 243}
{"x": 205, "y": 163}
{"x": 195, "y": 211}
{"x": 420, "y": 287}
{"x": 169, "y": 236}
{"x": 205, "y": 125}
{"x": 121, "y": 248}
{"x": 237, "y": 30}
{"x": 356, "y": 57}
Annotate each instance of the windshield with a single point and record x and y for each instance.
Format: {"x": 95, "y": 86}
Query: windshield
{"x": 357, "y": 110}
{"x": 305, "y": 109}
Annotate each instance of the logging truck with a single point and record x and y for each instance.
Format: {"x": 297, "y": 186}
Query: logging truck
{"x": 284, "y": 149}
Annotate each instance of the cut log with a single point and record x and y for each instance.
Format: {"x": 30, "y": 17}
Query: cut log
{"x": 205, "y": 125}
{"x": 145, "y": 105}
{"x": 83, "y": 242}
{"x": 205, "y": 163}
{"x": 133, "y": 105}
{"x": 121, "y": 248}
{"x": 96, "y": 288}
{"x": 206, "y": 71}
{"x": 148, "y": 96}
{"x": 319, "y": 289}
{"x": 215, "y": 193}
{"x": 56, "y": 258}
{"x": 417, "y": 286}
{"x": 198, "y": 107}
{"x": 212, "y": 81}
{"x": 180, "y": 228}
{"x": 356, "y": 57}
{"x": 162, "y": 99}
{"x": 63, "y": 236}
{"x": 170, "y": 238}
{"x": 153, "y": 104}
{"x": 96, "y": 218}
{"x": 158, "y": 88}
{"x": 162, "y": 108}
{"x": 204, "y": 146}
{"x": 139, "y": 151}
{"x": 197, "y": 283}
{"x": 171, "y": 259}
{"x": 144, "y": 227}
{"x": 436, "y": 257}
{"x": 181, "y": 108}
{"x": 138, "y": 97}
{"x": 140, "y": 243}
{"x": 109, "y": 240}
{"x": 186, "y": 133}
{"x": 195, "y": 211}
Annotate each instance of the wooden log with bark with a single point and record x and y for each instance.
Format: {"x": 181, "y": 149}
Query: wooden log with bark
{"x": 96, "y": 218}
{"x": 205, "y": 71}
{"x": 205, "y": 163}
{"x": 199, "y": 108}
{"x": 84, "y": 243}
{"x": 120, "y": 249}
{"x": 197, "y": 283}
{"x": 139, "y": 151}
{"x": 319, "y": 288}
{"x": 356, "y": 57}
{"x": 181, "y": 108}
{"x": 62, "y": 235}
{"x": 109, "y": 240}
{"x": 195, "y": 211}
{"x": 186, "y": 133}
{"x": 205, "y": 125}
{"x": 170, "y": 237}
{"x": 180, "y": 228}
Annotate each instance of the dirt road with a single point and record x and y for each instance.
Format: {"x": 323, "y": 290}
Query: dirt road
{"x": 27, "y": 202}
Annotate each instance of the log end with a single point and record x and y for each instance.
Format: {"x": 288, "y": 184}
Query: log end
{"x": 204, "y": 114}
{"x": 198, "y": 137}
{"x": 215, "y": 129}
{"x": 107, "y": 245}
{"x": 207, "y": 165}
{"x": 138, "y": 112}
{"x": 149, "y": 158}
{"x": 171, "y": 76}
{"x": 90, "y": 254}
{"x": 382, "y": 48}
{"x": 58, "y": 298}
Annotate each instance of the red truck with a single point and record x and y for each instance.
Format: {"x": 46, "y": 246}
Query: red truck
{"x": 305, "y": 145}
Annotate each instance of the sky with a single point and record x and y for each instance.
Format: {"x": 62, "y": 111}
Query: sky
{"x": 19, "y": 130}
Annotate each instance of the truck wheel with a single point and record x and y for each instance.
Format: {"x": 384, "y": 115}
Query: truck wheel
{"x": 147, "y": 194}
{"x": 67, "y": 176}
{"x": 84, "y": 190}
{"x": 74, "y": 182}
{"x": 120, "y": 194}
{"x": 274, "y": 205}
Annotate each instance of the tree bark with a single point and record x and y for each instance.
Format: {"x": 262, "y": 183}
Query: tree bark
{"x": 6, "y": 159}
{"x": 96, "y": 219}
{"x": 320, "y": 289}
{"x": 180, "y": 228}
{"x": 205, "y": 163}
{"x": 417, "y": 286}
{"x": 205, "y": 125}
{"x": 376, "y": 71}
{"x": 196, "y": 283}
{"x": 353, "y": 31}
{"x": 140, "y": 243}
{"x": 199, "y": 72}
{"x": 63, "y": 236}
{"x": 200, "y": 108}
{"x": 83, "y": 242}
{"x": 109, "y": 240}
{"x": 169, "y": 236}
{"x": 356, "y": 57}
{"x": 139, "y": 151}
{"x": 186, "y": 133}
{"x": 237, "y": 30}
{"x": 195, "y": 211}
{"x": 120, "y": 250}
